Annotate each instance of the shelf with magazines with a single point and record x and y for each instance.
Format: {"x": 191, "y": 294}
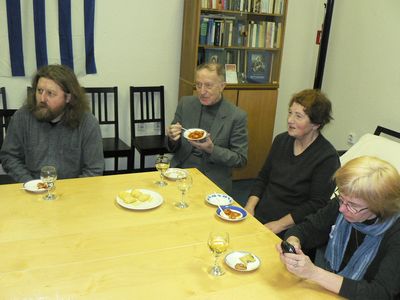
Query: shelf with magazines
{"x": 247, "y": 37}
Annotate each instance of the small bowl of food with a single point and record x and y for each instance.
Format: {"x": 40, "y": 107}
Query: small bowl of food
{"x": 231, "y": 213}
{"x": 195, "y": 134}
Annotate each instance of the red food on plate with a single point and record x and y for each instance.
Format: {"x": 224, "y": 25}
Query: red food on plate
{"x": 42, "y": 185}
{"x": 196, "y": 134}
{"x": 232, "y": 214}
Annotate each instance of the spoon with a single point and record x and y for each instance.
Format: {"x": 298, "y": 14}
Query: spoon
{"x": 222, "y": 212}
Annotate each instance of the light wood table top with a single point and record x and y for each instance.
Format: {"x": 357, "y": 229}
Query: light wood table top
{"x": 85, "y": 246}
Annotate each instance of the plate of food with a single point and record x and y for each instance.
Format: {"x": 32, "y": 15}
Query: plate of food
{"x": 242, "y": 261}
{"x": 139, "y": 199}
{"x": 195, "y": 134}
{"x": 231, "y": 213}
{"x": 175, "y": 173}
{"x": 35, "y": 186}
{"x": 219, "y": 199}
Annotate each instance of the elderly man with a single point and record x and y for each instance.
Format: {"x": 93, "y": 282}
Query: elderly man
{"x": 225, "y": 146}
{"x": 54, "y": 128}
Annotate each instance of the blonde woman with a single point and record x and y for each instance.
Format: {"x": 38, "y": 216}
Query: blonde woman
{"x": 361, "y": 228}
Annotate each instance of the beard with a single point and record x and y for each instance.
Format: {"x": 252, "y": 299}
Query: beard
{"x": 45, "y": 114}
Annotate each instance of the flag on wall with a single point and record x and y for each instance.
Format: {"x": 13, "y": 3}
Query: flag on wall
{"x": 34, "y": 33}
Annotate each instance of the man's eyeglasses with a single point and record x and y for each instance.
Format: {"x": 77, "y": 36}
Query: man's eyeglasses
{"x": 349, "y": 206}
{"x": 206, "y": 85}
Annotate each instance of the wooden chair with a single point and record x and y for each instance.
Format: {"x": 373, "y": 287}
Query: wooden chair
{"x": 104, "y": 105}
{"x": 5, "y": 116}
{"x": 147, "y": 112}
{"x": 3, "y": 98}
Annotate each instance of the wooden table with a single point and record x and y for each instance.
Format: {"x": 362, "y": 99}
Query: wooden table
{"x": 85, "y": 246}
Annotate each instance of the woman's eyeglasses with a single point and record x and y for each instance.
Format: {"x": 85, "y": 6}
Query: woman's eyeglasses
{"x": 349, "y": 206}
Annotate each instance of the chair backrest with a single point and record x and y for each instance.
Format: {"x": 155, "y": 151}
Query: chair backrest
{"x": 104, "y": 105}
{"x": 147, "y": 106}
{"x": 29, "y": 91}
{"x": 3, "y": 98}
{"x": 5, "y": 116}
{"x": 387, "y": 131}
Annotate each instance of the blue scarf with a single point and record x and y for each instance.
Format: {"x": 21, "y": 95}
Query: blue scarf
{"x": 365, "y": 253}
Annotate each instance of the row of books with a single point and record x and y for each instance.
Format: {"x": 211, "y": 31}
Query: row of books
{"x": 216, "y": 30}
{"x": 252, "y": 66}
{"x": 253, "y": 6}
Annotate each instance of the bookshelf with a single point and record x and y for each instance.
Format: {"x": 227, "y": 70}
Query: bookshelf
{"x": 248, "y": 35}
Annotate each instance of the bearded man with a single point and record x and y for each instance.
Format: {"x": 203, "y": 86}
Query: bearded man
{"x": 54, "y": 127}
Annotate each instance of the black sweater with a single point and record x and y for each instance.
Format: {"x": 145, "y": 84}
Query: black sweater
{"x": 382, "y": 278}
{"x": 298, "y": 185}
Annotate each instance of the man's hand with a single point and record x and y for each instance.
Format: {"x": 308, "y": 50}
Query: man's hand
{"x": 174, "y": 131}
{"x": 205, "y": 145}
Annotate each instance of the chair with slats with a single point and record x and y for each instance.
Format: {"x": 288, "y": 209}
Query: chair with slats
{"x": 147, "y": 123}
{"x": 3, "y": 98}
{"x": 104, "y": 105}
{"x": 5, "y": 116}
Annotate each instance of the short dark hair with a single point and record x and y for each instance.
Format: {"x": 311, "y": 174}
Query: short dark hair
{"x": 316, "y": 105}
{"x": 66, "y": 79}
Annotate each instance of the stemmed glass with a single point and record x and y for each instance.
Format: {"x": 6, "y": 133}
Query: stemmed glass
{"x": 162, "y": 165}
{"x": 48, "y": 175}
{"x": 218, "y": 243}
{"x": 184, "y": 184}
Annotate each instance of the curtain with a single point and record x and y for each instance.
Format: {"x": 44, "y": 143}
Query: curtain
{"x": 34, "y": 33}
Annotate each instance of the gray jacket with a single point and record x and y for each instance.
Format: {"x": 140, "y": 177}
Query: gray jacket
{"x": 228, "y": 133}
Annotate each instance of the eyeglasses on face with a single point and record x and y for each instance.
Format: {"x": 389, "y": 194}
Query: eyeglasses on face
{"x": 205, "y": 85}
{"x": 349, "y": 206}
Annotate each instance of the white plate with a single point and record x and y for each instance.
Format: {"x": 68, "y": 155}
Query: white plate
{"x": 156, "y": 200}
{"x": 234, "y": 208}
{"x": 31, "y": 186}
{"x": 175, "y": 173}
{"x": 219, "y": 199}
{"x": 189, "y": 131}
{"x": 233, "y": 258}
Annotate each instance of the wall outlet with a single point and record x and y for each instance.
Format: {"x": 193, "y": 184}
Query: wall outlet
{"x": 351, "y": 138}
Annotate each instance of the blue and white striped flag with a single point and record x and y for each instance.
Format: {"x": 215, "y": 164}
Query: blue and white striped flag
{"x": 34, "y": 33}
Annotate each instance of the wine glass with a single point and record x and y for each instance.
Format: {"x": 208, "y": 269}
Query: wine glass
{"x": 162, "y": 165}
{"x": 48, "y": 175}
{"x": 184, "y": 184}
{"x": 218, "y": 243}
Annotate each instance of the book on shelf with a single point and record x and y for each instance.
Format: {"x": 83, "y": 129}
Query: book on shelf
{"x": 203, "y": 30}
{"x": 278, "y": 34}
{"x": 210, "y": 32}
{"x": 230, "y": 73}
{"x": 228, "y": 33}
{"x": 215, "y": 56}
{"x": 261, "y": 37}
{"x": 219, "y": 32}
{"x": 278, "y": 7}
{"x": 270, "y": 35}
{"x": 258, "y": 66}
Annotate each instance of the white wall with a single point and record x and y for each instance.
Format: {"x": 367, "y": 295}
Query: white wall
{"x": 300, "y": 54}
{"x": 362, "y": 72}
{"x": 136, "y": 43}
{"x": 362, "y": 75}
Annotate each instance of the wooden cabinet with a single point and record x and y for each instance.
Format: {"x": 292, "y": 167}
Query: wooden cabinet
{"x": 247, "y": 34}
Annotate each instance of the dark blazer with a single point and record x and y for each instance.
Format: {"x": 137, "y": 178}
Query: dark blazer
{"x": 228, "y": 133}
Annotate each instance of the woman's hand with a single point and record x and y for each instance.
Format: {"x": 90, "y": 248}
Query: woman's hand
{"x": 298, "y": 264}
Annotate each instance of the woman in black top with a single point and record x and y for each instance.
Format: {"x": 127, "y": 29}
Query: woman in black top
{"x": 296, "y": 178}
{"x": 361, "y": 228}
